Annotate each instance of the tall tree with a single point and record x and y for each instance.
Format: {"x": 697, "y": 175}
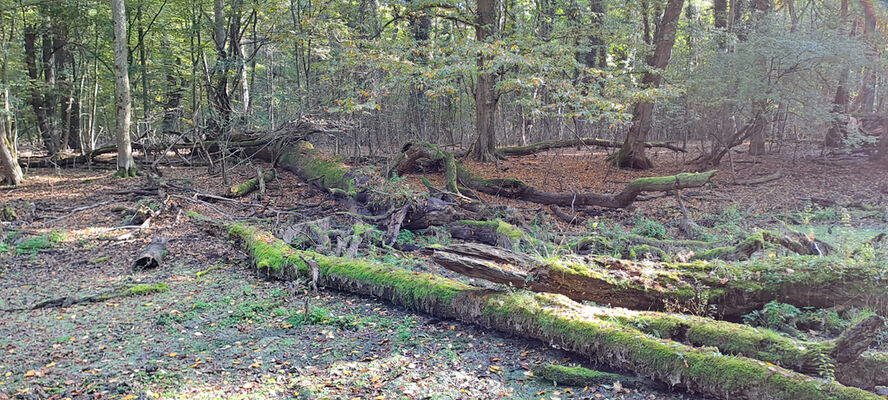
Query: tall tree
{"x": 126, "y": 167}
{"x": 486, "y": 95}
{"x": 10, "y": 171}
{"x": 632, "y": 155}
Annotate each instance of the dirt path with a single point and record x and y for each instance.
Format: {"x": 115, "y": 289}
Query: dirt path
{"x": 225, "y": 333}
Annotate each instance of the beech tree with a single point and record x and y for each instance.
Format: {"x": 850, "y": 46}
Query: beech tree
{"x": 126, "y": 167}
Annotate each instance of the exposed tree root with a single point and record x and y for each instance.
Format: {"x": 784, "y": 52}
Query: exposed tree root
{"x": 551, "y": 318}
{"x": 733, "y": 289}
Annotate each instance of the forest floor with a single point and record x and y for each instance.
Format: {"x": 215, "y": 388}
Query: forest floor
{"x": 221, "y": 331}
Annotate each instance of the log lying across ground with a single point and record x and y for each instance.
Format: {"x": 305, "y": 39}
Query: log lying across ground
{"x": 423, "y": 155}
{"x": 634, "y": 246}
{"x": 546, "y": 145}
{"x": 251, "y": 185}
{"x": 733, "y": 288}
{"x": 548, "y": 317}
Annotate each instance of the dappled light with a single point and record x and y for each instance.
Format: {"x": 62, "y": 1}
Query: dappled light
{"x": 480, "y": 199}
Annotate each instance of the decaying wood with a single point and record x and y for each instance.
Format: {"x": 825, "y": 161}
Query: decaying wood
{"x": 415, "y": 154}
{"x": 152, "y": 255}
{"x": 733, "y": 289}
{"x": 123, "y": 291}
{"x": 858, "y": 338}
{"x": 548, "y": 317}
{"x": 251, "y": 185}
{"x": 547, "y": 145}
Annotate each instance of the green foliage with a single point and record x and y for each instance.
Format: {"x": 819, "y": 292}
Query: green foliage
{"x": 649, "y": 228}
{"x": 34, "y": 244}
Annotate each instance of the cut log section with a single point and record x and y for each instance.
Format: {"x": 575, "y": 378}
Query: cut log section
{"x": 152, "y": 255}
{"x": 733, "y": 288}
{"x": 550, "y": 318}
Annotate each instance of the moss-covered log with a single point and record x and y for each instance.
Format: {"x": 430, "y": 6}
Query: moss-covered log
{"x": 579, "y": 376}
{"x": 416, "y": 155}
{"x": 546, "y": 145}
{"x": 733, "y": 288}
{"x": 551, "y": 318}
{"x": 250, "y": 185}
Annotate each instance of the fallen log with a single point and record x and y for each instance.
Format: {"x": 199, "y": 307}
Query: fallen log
{"x": 251, "y": 185}
{"x": 547, "y": 145}
{"x": 547, "y": 317}
{"x": 581, "y": 377}
{"x": 152, "y": 255}
{"x": 140, "y": 289}
{"x": 733, "y": 288}
{"x": 414, "y": 155}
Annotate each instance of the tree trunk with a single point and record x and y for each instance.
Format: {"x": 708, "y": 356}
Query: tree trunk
{"x": 125, "y": 165}
{"x": 38, "y": 99}
{"x": 836, "y": 135}
{"x": 486, "y": 96}
{"x": 415, "y": 154}
{"x": 10, "y": 171}
{"x": 720, "y": 13}
{"x": 551, "y": 318}
{"x": 631, "y": 155}
{"x": 730, "y": 288}
{"x": 547, "y": 145}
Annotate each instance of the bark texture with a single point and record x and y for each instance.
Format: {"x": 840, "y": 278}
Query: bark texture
{"x": 125, "y": 164}
{"x": 734, "y": 289}
{"x": 632, "y": 155}
{"x": 550, "y": 318}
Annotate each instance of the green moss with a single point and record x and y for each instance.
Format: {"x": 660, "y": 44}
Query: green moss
{"x": 146, "y": 288}
{"x": 555, "y": 319}
{"x": 407, "y": 288}
{"x": 575, "y": 376}
{"x": 662, "y": 359}
{"x": 8, "y": 213}
{"x": 637, "y": 251}
{"x": 34, "y": 244}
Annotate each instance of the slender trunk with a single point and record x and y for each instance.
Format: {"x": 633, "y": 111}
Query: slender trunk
{"x": 125, "y": 164}
{"x": 632, "y": 155}
{"x": 836, "y": 134}
{"x": 486, "y": 96}
{"x": 37, "y": 101}
{"x": 720, "y": 13}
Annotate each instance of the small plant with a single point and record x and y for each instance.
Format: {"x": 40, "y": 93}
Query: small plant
{"x": 826, "y": 368}
{"x": 649, "y": 228}
{"x": 406, "y": 236}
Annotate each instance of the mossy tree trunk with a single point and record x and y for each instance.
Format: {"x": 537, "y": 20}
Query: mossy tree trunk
{"x": 415, "y": 155}
{"x": 733, "y": 289}
{"x": 550, "y": 318}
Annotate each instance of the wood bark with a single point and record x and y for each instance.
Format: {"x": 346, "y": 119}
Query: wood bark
{"x": 733, "y": 290}
{"x": 415, "y": 154}
{"x": 550, "y": 318}
{"x": 250, "y": 185}
{"x": 486, "y": 96}
{"x": 547, "y": 145}
{"x": 632, "y": 155}
{"x": 152, "y": 255}
{"x": 125, "y": 164}
{"x": 38, "y": 100}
